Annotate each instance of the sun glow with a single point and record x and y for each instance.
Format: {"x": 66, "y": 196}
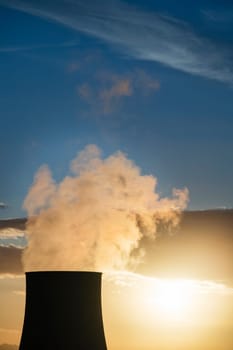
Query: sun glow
{"x": 169, "y": 302}
{"x": 173, "y": 300}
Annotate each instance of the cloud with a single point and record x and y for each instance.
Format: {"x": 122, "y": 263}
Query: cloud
{"x": 73, "y": 67}
{"x": 8, "y": 346}
{"x": 108, "y": 89}
{"x": 3, "y": 205}
{"x": 18, "y": 224}
{"x": 119, "y": 88}
{"x": 126, "y": 279}
{"x": 20, "y": 293}
{"x": 95, "y": 218}
{"x": 85, "y": 92}
{"x": 145, "y": 82}
{"x": 9, "y": 49}
{"x": 10, "y": 232}
{"x": 139, "y": 34}
{"x": 10, "y": 261}
{"x": 219, "y": 16}
{"x": 43, "y": 190}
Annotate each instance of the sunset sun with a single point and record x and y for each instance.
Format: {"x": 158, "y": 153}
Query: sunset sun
{"x": 172, "y": 300}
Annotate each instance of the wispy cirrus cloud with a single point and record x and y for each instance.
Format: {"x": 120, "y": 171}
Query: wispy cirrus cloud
{"x": 139, "y": 34}
{"x": 9, "y": 49}
{"x": 218, "y": 16}
{"x": 127, "y": 280}
{"x": 10, "y": 232}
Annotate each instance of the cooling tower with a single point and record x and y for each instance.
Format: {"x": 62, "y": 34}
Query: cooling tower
{"x": 63, "y": 311}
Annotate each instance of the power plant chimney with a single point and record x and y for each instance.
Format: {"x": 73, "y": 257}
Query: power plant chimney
{"x": 63, "y": 311}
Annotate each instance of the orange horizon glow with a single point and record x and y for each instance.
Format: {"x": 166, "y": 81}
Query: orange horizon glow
{"x": 141, "y": 311}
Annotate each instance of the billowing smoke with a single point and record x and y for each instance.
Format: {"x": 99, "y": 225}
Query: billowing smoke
{"x": 94, "y": 218}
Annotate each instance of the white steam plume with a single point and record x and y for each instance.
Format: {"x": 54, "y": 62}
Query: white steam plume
{"x": 95, "y": 218}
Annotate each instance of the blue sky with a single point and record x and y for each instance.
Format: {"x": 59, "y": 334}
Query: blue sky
{"x": 150, "y": 78}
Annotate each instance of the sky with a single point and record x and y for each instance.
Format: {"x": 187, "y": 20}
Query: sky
{"x": 179, "y": 297}
{"x": 150, "y": 78}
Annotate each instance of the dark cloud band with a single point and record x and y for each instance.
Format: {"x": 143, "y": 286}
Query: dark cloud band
{"x": 10, "y": 261}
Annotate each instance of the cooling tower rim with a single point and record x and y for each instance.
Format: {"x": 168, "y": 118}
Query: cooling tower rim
{"x": 63, "y": 272}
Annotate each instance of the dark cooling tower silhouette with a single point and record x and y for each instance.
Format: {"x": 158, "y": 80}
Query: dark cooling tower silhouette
{"x": 63, "y": 311}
